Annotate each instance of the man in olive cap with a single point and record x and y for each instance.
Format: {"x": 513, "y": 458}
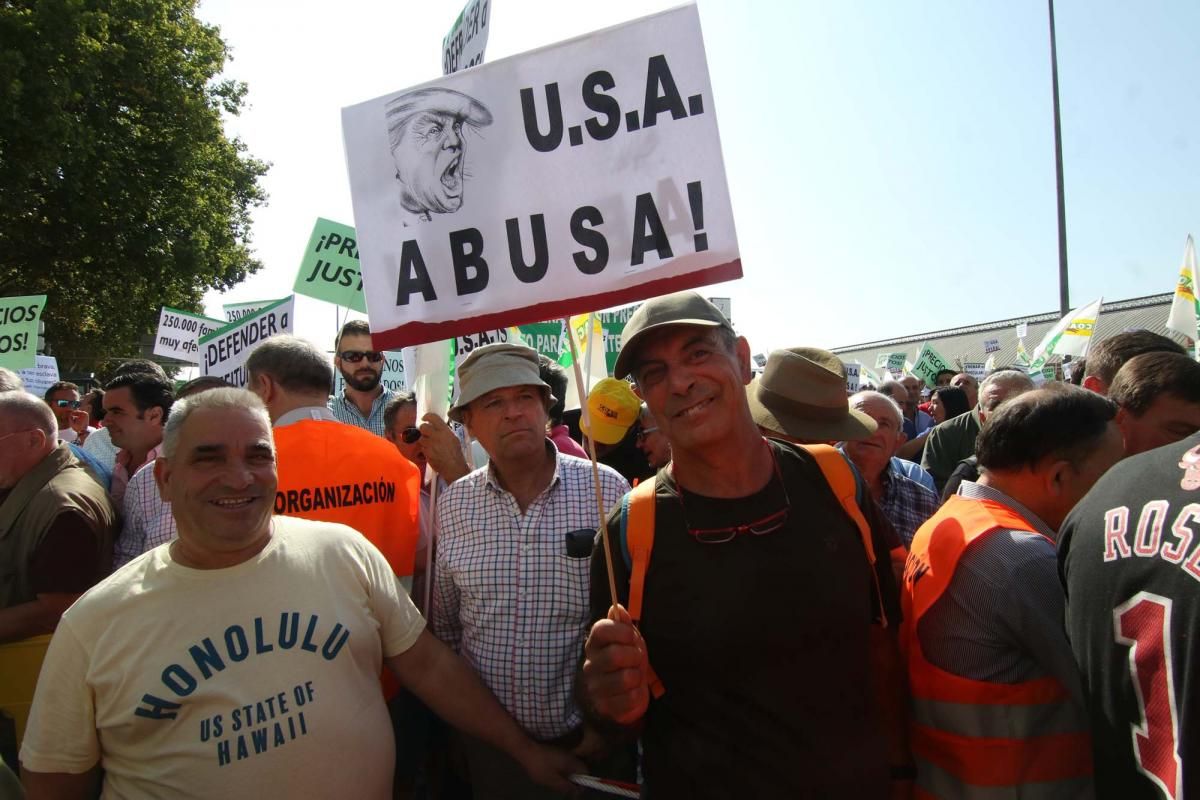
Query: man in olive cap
{"x": 425, "y": 133}
{"x": 513, "y": 556}
{"x": 758, "y": 602}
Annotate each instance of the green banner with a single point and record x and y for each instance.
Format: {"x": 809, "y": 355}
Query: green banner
{"x": 329, "y": 269}
{"x": 19, "y": 317}
{"x": 929, "y": 363}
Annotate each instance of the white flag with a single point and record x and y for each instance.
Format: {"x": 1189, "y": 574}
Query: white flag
{"x": 1185, "y": 310}
{"x": 1070, "y": 336}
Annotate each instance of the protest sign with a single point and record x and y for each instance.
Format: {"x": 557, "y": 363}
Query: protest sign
{"x": 991, "y": 346}
{"x": 631, "y": 199}
{"x": 329, "y": 269}
{"x": 929, "y": 363}
{"x": 1022, "y": 330}
{"x": 463, "y": 46}
{"x": 178, "y": 332}
{"x": 990, "y": 364}
{"x": 975, "y": 369}
{"x": 225, "y": 350}
{"x": 41, "y": 376}
{"x": 896, "y": 363}
{"x": 852, "y": 377}
{"x": 392, "y": 377}
{"x": 235, "y": 311}
{"x": 19, "y": 317}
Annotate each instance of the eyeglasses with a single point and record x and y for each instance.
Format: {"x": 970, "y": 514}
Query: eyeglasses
{"x": 759, "y": 527}
{"x": 410, "y": 435}
{"x": 67, "y": 403}
{"x": 642, "y": 433}
{"x": 355, "y": 356}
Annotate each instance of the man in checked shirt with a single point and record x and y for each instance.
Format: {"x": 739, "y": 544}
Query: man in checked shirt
{"x": 513, "y": 555}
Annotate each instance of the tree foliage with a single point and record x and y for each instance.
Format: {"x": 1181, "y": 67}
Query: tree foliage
{"x": 119, "y": 190}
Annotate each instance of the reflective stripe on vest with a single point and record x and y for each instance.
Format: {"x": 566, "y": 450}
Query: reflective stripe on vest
{"x": 976, "y": 739}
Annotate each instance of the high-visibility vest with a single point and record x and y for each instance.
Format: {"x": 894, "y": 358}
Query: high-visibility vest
{"x": 637, "y": 530}
{"x": 333, "y": 472}
{"x": 975, "y": 738}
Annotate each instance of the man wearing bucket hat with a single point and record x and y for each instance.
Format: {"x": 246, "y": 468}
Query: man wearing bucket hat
{"x": 749, "y": 675}
{"x": 513, "y": 555}
{"x": 425, "y": 133}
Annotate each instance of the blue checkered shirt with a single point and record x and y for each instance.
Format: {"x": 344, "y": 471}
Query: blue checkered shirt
{"x": 906, "y": 503}
{"x": 344, "y": 409}
{"x": 507, "y": 595}
{"x": 148, "y": 521}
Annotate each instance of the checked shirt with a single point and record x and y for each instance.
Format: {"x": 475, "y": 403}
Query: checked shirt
{"x": 511, "y": 595}
{"x": 906, "y": 503}
{"x": 148, "y": 521}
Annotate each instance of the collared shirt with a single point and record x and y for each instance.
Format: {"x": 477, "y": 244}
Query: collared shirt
{"x": 148, "y": 521}
{"x": 914, "y": 472}
{"x": 123, "y": 471}
{"x": 321, "y": 413}
{"x": 906, "y": 503}
{"x": 344, "y": 410}
{"x": 99, "y": 445}
{"x": 561, "y": 436}
{"x": 1001, "y": 618}
{"x": 511, "y": 589}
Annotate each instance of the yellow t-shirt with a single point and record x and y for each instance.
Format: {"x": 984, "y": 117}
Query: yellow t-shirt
{"x": 259, "y": 680}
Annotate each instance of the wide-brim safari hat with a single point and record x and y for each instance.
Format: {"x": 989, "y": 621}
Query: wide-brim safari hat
{"x": 802, "y": 394}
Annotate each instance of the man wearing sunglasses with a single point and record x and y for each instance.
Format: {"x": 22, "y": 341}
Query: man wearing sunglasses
{"x": 63, "y": 399}
{"x": 364, "y": 397}
{"x": 758, "y": 600}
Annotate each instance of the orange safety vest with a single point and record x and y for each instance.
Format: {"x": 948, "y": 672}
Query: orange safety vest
{"x": 975, "y": 738}
{"x": 334, "y": 472}
{"x": 637, "y": 530}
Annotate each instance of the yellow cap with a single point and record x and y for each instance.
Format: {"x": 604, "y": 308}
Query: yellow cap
{"x": 613, "y": 408}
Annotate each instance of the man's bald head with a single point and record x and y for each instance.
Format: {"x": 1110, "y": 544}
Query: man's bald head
{"x": 21, "y": 411}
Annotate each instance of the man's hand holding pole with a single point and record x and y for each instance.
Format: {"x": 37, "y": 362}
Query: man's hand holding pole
{"x": 616, "y": 669}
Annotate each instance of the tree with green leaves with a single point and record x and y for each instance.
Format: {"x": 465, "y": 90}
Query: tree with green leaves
{"x": 119, "y": 190}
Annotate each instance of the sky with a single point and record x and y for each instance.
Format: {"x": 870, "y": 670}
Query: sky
{"x": 891, "y": 164}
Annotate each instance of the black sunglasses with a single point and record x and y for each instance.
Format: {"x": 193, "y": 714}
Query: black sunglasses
{"x": 355, "y": 356}
{"x": 67, "y": 403}
{"x": 410, "y": 435}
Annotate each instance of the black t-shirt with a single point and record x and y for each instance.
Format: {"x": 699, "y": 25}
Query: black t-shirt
{"x": 1129, "y": 556}
{"x": 761, "y": 643}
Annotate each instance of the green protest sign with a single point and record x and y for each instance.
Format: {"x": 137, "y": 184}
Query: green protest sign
{"x": 929, "y": 363}
{"x": 329, "y": 269}
{"x": 19, "y": 317}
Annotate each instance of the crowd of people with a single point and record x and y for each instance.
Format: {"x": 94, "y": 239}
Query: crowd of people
{"x": 703, "y": 584}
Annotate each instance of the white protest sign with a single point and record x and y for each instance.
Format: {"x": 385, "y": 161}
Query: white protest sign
{"x": 235, "y": 311}
{"x": 41, "y": 376}
{"x": 392, "y": 377}
{"x": 991, "y": 346}
{"x": 224, "y": 351}
{"x": 584, "y": 175}
{"x": 976, "y": 370}
{"x": 464, "y": 45}
{"x": 178, "y": 332}
{"x": 724, "y": 305}
{"x": 1022, "y": 330}
{"x": 929, "y": 364}
{"x": 852, "y": 377}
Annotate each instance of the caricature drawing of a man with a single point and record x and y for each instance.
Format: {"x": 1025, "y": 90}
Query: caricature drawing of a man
{"x": 425, "y": 133}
